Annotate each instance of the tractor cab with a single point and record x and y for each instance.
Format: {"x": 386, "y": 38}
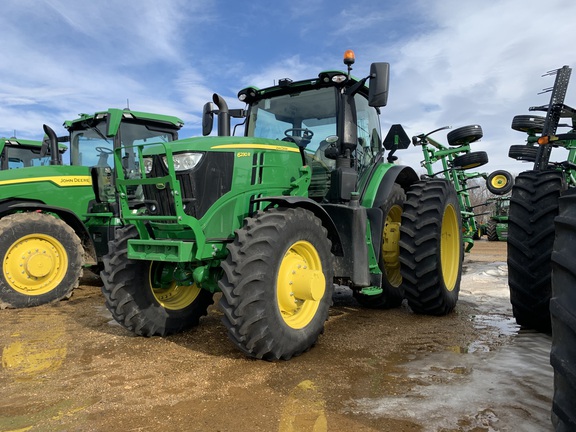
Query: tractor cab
{"x": 22, "y": 153}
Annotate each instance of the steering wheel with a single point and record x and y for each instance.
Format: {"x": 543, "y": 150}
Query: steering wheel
{"x": 303, "y": 133}
{"x": 104, "y": 150}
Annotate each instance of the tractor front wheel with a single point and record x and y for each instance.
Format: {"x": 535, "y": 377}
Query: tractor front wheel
{"x": 42, "y": 260}
{"x": 533, "y": 207}
{"x": 391, "y": 295}
{"x": 149, "y": 297}
{"x": 278, "y": 283}
{"x": 563, "y": 312}
{"x": 431, "y": 247}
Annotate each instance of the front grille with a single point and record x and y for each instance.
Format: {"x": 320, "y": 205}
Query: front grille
{"x": 200, "y": 187}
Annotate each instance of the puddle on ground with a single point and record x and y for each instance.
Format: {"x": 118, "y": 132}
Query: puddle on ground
{"x": 501, "y": 381}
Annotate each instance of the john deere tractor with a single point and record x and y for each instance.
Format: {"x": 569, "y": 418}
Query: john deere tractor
{"x": 273, "y": 219}
{"x": 541, "y": 239}
{"x": 46, "y": 236}
{"x": 453, "y": 162}
{"x": 497, "y": 226}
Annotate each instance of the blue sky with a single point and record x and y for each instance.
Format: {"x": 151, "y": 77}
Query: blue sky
{"x": 453, "y": 62}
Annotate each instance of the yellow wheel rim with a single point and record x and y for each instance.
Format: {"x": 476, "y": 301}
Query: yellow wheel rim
{"x": 300, "y": 285}
{"x": 450, "y": 243}
{"x": 499, "y": 181}
{"x": 169, "y": 292}
{"x": 35, "y": 264}
{"x": 390, "y": 246}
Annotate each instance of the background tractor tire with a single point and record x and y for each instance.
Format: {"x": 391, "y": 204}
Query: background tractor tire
{"x": 470, "y": 160}
{"x": 523, "y": 152}
{"x": 431, "y": 247}
{"x": 389, "y": 263}
{"x": 528, "y": 123}
{"x": 277, "y": 284}
{"x": 533, "y": 207}
{"x": 563, "y": 312}
{"x": 499, "y": 182}
{"x": 143, "y": 295}
{"x": 464, "y": 135}
{"x": 42, "y": 260}
{"x": 491, "y": 232}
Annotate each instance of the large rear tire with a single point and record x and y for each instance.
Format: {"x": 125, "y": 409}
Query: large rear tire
{"x": 431, "y": 247}
{"x": 278, "y": 283}
{"x": 533, "y": 207}
{"x": 563, "y": 313}
{"x": 42, "y": 260}
{"x": 491, "y": 232}
{"x": 389, "y": 263}
{"x": 144, "y": 297}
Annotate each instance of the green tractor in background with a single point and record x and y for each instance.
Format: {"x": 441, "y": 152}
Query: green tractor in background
{"x": 497, "y": 226}
{"x": 455, "y": 160}
{"x": 541, "y": 240}
{"x": 273, "y": 219}
{"x": 22, "y": 153}
{"x": 46, "y": 236}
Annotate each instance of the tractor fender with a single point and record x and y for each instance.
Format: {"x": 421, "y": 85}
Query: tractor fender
{"x": 314, "y": 207}
{"x": 71, "y": 219}
{"x": 376, "y": 192}
{"x": 380, "y": 184}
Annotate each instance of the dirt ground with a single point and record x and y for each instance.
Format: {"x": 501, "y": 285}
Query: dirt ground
{"x": 70, "y": 367}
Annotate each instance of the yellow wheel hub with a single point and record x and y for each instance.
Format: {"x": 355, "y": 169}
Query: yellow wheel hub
{"x": 390, "y": 247}
{"x": 450, "y": 243}
{"x": 35, "y": 264}
{"x": 499, "y": 181}
{"x": 300, "y": 285}
{"x": 169, "y": 292}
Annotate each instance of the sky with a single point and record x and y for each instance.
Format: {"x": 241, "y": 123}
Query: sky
{"x": 453, "y": 62}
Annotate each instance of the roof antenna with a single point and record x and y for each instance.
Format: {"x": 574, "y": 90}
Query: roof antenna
{"x": 127, "y": 104}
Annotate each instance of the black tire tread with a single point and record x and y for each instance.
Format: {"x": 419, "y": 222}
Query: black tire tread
{"x": 470, "y": 160}
{"x": 464, "y": 135}
{"x": 533, "y": 207}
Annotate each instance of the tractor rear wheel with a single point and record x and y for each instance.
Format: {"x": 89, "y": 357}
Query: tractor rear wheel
{"x": 277, "y": 284}
{"x": 491, "y": 232}
{"x": 431, "y": 247}
{"x": 563, "y": 313}
{"x": 533, "y": 207}
{"x": 144, "y": 296}
{"x": 42, "y": 260}
{"x": 389, "y": 263}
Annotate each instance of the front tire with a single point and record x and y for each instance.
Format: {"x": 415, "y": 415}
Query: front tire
{"x": 491, "y": 232}
{"x": 278, "y": 283}
{"x": 533, "y": 207}
{"x": 563, "y": 313}
{"x": 431, "y": 247}
{"x": 42, "y": 260}
{"x": 144, "y": 297}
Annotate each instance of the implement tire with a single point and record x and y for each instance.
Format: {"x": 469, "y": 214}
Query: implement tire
{"x": 42, "y": 260}
{"x": 563, "y": 313}
{"x": 278, "y": 283}
{"x": 143, "y": 295}
{"x": 499, "y": 182}
{"x": 533, "y": 207}
{"x": 431, "y": 247}
{"x": 389, "y": 263}
{"x": 528, "y": 123}
{"x": 464, "y": 135}
{"x": 470, "y": 160}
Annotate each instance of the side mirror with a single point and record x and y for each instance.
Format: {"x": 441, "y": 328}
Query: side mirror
{"x": 208, "y": 118}
{"x": 379, "y": 82}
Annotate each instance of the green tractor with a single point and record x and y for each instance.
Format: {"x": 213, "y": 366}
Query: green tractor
{"x": 273, "y": 219}
{"x": 541, "y": 253}
{"x": 455, "y": 161}
{"x": 22, "y": 153}
{"x": 497, "y": 226}
{"x": 46, "y": 236}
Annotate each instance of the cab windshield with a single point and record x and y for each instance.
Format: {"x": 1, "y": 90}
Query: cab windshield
{"x": 91, "y": 147}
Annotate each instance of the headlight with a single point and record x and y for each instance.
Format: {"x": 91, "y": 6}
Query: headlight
{"x": 147, "y": 165}
{"x": 184, "y": 161}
